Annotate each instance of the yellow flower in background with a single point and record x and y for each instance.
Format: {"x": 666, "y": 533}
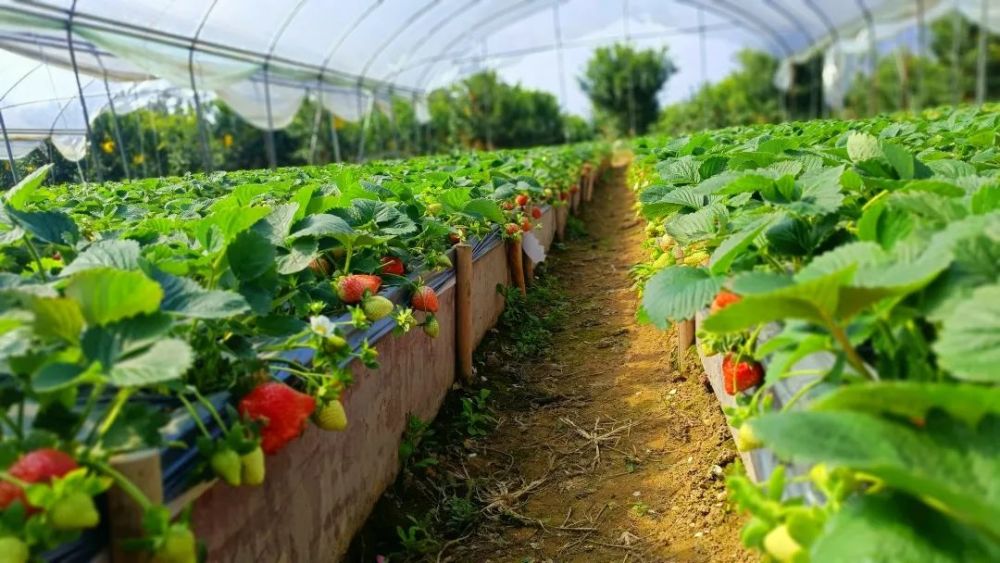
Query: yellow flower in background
{"x": 338, "y": 123}
{"x": 227, "y": 140}
{"x": 139, "y": 158}
{"x": 108, "y": 146}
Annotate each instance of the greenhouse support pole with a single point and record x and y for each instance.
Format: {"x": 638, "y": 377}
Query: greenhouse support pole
{"x": 156, "y": 144}
{"x": 335, "y": 137}
{"x": 872, "y": 58}
{"x": 272, "y": 154}
{"x": 560, "y": 64}
{"x": 918, "y": 98}
{"x": 416, "y": 126}
{"x": 982, "y": 54}
{"x": 115, "y": 127}
{"x": 142, "y": 143}
{"x": 317, "y": 117}
{"x": 10, "y": 151}
{"x": 394, "y": 124}
{"x": 703, "y": 65}
{"x": 956, "y": 45}
{"x": 79, "y": 88}
{"x": 364, "y": 123}
{"x": 206, "y": 151}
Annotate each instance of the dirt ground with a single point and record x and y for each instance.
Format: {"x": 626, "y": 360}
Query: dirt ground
{"x": 603, "y": 449}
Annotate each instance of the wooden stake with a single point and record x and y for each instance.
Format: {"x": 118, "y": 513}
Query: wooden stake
{"x": 588, "y": 190}
{"x": 516, "y": 260}
{"x": 575, "y": 201}
{"x": 143, "y": 469}
{"x": 685, "y": 335}
{"x": 529, "y": 269}
{"x": 463, "y": 310}
{"x": 561, "y": 212}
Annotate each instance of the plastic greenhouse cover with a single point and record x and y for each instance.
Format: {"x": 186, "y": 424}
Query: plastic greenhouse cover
{"x": 353, "y": 55}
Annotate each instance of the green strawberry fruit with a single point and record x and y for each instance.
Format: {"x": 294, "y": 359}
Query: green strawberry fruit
{"x": 179, "y": 546}
{"x": 331, "y": 416}
{"x": 432, "y": 327}
{"x": 75, "y": 511}
{"x": 253, "y": 467}
{"x": 376, "y": 307}
{"x": 226, "y": 464}
{"x": 13, "y": 550}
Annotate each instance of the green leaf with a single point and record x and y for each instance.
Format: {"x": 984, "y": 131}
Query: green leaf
{"x": 814, "y": 300}
{"x": 57, "y": 317}
{"x": 230, "y": 222}
{"x": 165, "y": 360}
{"x": 968, "y": 345}
{"x": 485, "y": 208}
{"x": 52, "y": 227}
{"x": 321, "y": 225}
{"x": 185, "y": 298}
{"x": 862, "y": 147}
{"x": 276, "y": 226}
{"x": 887, "y": 527}
{"x": 683, "y": 170}
{"x": 851, "y": 254}
{"x": 913, "y": 399}
{"x": 677, "y": 293}
{"x": 691, "y": 227}
{"x": 945, "y": 463}
{"x": 454, "y": 199}
{"x": 737, "y": 243}
{"x": 250, "y": 255}
{"x": 900, "y": 159}
{"x": 106, "y": 295}
{"x": 55, "y": 376}
{"x": 17, "y": 196}
{"x": 122, "y": 254}
{"x": 749, "y": 283}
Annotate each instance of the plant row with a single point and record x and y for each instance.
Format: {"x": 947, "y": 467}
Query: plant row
{"x": 124, "y": 304}
{"x": 849, "y": 272}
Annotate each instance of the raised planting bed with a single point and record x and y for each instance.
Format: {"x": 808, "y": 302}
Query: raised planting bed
{"x": 841, "y": 279}
{"x": 161, "y": 336}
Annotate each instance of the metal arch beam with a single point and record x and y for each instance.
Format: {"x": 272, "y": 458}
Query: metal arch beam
{"x": 20, "y": 80}
{"x": 823, "y": 18}
{"x": 419, "y": 13}
{"x": 872, "y": 56}
{"x": 272, "y": 156}
{"x": 796, "y": 23}
{"x": 421, "y": 81}
{"x": 79, "y": 85}
{"x": 206, "y": 153}
{"x": 453, "y": 16}
{"x": 99, "y": 23}
{"x": 758, "y": 24}
{"x": 464, "y": 57}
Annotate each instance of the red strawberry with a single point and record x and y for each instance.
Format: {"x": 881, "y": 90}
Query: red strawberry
{"x": 536, "y": 212}
{"x": 563, "y": 196}
{"x": 392, "y": 265}
{"x": 574, "y": 188}
{"x": 724, "y": 299}
{"x": 282, "y": 410}
{"x": 351, "y": 289}
{"x": 521, "y": 200}
{"x": 513, "y": 229}
{"x": 424, "y": 299}
{"x": 38, "y": 466}
{"x": 456, "y": 236}
{"x": 507, "y": 206}
{"x": 526, "y": 225}
{"x": 739, "y": 376}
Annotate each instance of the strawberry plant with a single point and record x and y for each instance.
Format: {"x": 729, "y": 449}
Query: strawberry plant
{"x": 234, "y": 301}
{"x": 865, "y": 260}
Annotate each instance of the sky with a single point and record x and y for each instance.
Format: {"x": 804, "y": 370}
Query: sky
{"x": 540, "y": 70}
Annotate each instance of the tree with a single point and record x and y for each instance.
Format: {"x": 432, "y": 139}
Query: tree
{"x": 623, "y": 84}
{"x": 746, "y": 96}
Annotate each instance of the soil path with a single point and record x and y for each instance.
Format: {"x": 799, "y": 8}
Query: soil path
{"x": 605, "y": 450}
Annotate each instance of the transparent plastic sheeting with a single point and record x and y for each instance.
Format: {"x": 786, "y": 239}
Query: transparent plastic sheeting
{"x": 264, "y": 57}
